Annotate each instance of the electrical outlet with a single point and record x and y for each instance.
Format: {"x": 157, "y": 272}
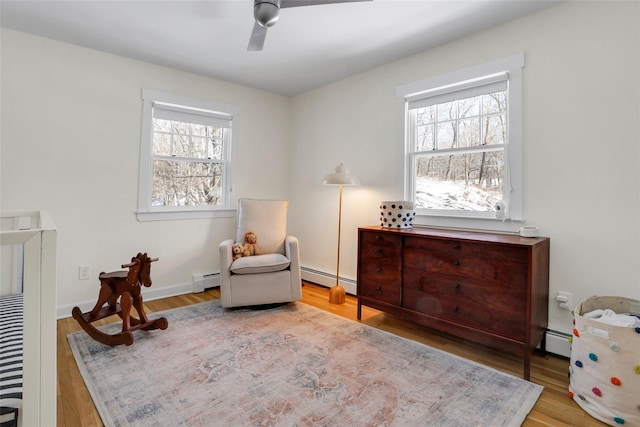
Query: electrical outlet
{"x": 84, "y": 272}
{"x": 564, "y": 300}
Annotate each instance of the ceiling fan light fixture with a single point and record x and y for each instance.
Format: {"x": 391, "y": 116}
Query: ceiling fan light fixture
{"x": 266, "y": 13}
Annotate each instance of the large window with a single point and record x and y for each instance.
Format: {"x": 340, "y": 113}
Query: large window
{"x": 185, "y": 157}
{"x": 463, "y": 143}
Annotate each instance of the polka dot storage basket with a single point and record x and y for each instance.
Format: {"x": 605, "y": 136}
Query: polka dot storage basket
{"x": 396, "y": 214}
{"x": 605, "y": 360}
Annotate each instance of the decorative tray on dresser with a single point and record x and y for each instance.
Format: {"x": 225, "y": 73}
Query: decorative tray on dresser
{"x": 488, "y": 288}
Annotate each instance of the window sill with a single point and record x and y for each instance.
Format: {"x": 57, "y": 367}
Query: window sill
{"x": 469, "y": 223}
{"x": 184, "y": 214}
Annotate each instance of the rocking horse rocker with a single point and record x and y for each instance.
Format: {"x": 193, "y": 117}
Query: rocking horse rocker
{"x": 123, "y": 285}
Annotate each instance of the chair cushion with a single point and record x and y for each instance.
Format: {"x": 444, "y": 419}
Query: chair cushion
{"x": 266, "y": 218}
{"x": 260, "y": 264}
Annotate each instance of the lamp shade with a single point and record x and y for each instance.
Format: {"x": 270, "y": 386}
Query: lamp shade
{"x": 341, "y": 176}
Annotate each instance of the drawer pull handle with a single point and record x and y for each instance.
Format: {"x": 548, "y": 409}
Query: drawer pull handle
{"x": 379, "y": 251}
{"x": 456, "y": 309}
{"x": 378, "y": 270}
{"x": 456, "y": 246}
{"x": 457, "y": 286}
{"x": 378, "y": 237}
{"x": 378, "y": 288}
{"x": 456, "y": 263}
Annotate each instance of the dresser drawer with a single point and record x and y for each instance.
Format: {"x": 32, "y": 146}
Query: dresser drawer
{"x": 506, "y": 273}
{"x": 464, "y": 248}
{"x": 380, "y": 245}
{"x": 380, "y": 271}
{"x": 481, "y": 305}
{"x": 385, "y": 292}
{"x": 380, "y": 279}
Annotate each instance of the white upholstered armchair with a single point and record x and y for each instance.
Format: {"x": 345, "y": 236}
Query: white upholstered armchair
{"x": 272, "y": 277}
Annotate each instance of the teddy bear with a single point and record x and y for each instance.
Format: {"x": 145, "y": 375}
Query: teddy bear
{"x": 251, "y": 244}
{"x": 238, "y": 250}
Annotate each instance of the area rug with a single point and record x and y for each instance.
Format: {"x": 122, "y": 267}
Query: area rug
{"x": 293, "y": 365}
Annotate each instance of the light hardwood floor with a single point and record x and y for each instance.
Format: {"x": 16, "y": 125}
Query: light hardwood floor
{"x": 554, "y": 408}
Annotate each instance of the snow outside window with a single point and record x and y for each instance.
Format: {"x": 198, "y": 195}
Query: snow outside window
{"x": 463, "y": 148}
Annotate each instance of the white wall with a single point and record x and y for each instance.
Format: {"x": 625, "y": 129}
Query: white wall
{"x": 71, "y": 122}
{"x": 71, "y": 129}
{"x": 581, "y": 144}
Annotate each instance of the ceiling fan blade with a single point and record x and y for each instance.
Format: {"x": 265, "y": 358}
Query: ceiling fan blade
{"x": 256, "y": 41}
{"x": 296, "y": 3}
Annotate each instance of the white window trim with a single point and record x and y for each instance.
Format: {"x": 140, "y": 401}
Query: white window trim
{"x": 513, "y": 65}
{"x": 145, "y": 211}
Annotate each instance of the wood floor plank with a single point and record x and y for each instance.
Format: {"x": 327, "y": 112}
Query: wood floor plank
{"x": 554, "y": 408}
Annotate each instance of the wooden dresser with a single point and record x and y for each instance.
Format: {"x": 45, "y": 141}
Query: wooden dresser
{"x": 489, "y": 288}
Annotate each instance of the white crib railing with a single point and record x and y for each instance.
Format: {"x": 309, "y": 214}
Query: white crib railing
{"x": 36, "y": 231}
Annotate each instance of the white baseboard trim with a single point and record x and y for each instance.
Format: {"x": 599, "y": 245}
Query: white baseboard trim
{"x": 328, "y": 280}
{"x": 149, "y": 294}
{"x": 202, "y": 281}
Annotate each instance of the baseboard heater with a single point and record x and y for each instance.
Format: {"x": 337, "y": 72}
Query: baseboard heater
{"x": 212, "y": 280}
{"x": 328, "y": 280}
{"x": 205, "y": 281}
{"x": 558, "y": 343}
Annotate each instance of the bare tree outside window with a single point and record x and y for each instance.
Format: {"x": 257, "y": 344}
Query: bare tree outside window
{"x": 459, "y": 153}
{"x": 188, "y": 163}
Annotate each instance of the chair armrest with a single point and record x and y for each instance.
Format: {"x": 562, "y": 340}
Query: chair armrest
{"x": 226, "y": 259}
{"x": 292, "y": 251}
{"x": 292, "y": 248}
{"x": 226, "y": 254}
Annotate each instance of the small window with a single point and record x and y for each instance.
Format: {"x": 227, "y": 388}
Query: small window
{"x": 185, "y": 159}
{"x": 463, "y": 144}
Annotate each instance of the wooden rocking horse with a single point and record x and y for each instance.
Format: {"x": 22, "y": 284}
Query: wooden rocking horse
{"x": 123, "y": 285}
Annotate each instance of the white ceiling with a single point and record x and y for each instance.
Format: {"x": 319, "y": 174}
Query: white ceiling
{"x": 308, "y": 47}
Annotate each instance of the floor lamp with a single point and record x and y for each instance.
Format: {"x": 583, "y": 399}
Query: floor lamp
{"x": 340, "y": 177}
